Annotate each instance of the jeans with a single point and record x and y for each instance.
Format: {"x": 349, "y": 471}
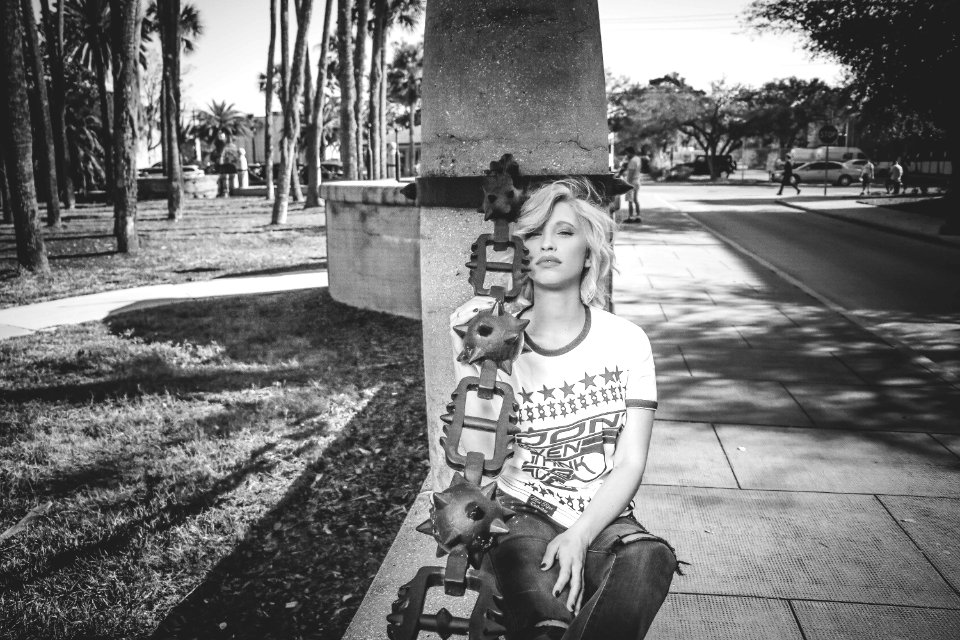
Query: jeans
{"x": 627, "y": 574}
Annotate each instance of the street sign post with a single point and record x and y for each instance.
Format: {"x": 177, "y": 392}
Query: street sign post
{"x": 827, "y": 134}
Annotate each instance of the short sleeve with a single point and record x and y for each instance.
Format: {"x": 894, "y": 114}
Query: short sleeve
{"x": 641, "y": 387}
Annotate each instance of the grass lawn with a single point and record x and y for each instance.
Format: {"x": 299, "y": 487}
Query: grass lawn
{"x": 228, "y": 468}
{"x": 217, "y": 236}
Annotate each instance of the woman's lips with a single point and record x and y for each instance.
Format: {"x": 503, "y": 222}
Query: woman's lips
{"x": 548, "y": 260}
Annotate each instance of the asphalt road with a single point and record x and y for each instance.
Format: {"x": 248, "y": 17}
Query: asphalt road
{"x": 903, "y": 289}
{"x": 855, "y": 267}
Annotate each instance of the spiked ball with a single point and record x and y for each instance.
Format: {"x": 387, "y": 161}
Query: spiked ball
{"x": 492, "y": 335}
{"x": 468, "y": 515}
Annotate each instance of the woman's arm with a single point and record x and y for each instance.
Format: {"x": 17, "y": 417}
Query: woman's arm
{"x": 569, "y": 548}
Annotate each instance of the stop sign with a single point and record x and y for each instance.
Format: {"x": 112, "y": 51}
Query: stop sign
{"x": 828, "y": 133}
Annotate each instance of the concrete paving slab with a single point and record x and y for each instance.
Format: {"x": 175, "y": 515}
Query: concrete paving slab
{"x": 934, "y": 525}
{"x": 768, "y": 364}
{"x": 11, "y": 331}
{"x": 669, "y": 360}
{"x": 889, "y": 368}
{"x": 788, "y": 459}
{"x": 950, "y": 441}
{"x": 758, "y": 314}
{"x": 778, "y": 544}
{"x": 687, "y": 454}
{"x": 734, "y": 401}
{"x": 641, "y": 313}
{"x": 838, "y": 621}
{"x": 687, "y": 616}
{"x": 813, "y": 338}
{"x": 930, "y": 408}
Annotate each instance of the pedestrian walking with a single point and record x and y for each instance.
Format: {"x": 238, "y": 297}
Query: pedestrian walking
{"x": 866, "y": 177}
{"x": 788, "y": 178}
{"x": 895, "y": 181}
{"x": 630, "y": 171}
{"x": 576, "y": 563}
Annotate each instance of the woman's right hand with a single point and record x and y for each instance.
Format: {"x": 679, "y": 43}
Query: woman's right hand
{"x": 569, "y": 550}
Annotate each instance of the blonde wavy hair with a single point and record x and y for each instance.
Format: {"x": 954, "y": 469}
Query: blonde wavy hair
{"x": 597, "y": 224}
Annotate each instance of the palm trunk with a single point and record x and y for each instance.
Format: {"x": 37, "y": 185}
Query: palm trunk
{"x": 17, "y": 144}
{"x": 376, "y": 79}
{"x": 58, "y": 103}
{"x": 291, "y": 114}
{"x": 359, "y": 58}
{"x": 315, "y": 130}
{"x": 43, "y": 124}
{"x": 125, "y": 17}
{"x": 4, "y": 187}
{"x": 268, "y": 108}
{"x": 383, "y": 106}
{"x": 169, "y": 16}
{"x": 411, "y": 161}
{"x": 106, "y": 139}
{"x": 348, "y": 90}
{"x": 307, "y": 103}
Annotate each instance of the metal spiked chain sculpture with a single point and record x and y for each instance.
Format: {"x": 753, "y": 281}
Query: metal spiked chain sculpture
{"x": 466, "y": 518}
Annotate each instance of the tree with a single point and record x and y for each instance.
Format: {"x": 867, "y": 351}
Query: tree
{"x": 168, "y": 13}
{"x": 268, "y": 107}
{"x": 315, "y": 122}
{"x": 898, "y": 55}
{"x": 17, "y": 143}
{"x": 291, "y": 113}
{"x": 359, "y": 57}
{"x": 404, "y": 76}
{"x": 54, "y": 40}
{"x": 386, "y": 14}
{"x": 220, "y": 123}
{"x": 785, "y": 108}
{"x": 43, "y": 124}
{"x": 715, "y": 121}
{"x": 91, "y": 45}
{"x": 348, "y": 90}
{"x": 125, "y": 18}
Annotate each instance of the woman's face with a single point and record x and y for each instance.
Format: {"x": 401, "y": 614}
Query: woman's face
{"x": 558, "y": 251}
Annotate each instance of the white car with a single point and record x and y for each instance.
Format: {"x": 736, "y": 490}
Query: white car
{"x": 156, "y": 171}
{"x": 821, "y": 171}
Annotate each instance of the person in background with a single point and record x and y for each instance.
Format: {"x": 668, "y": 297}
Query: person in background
{"x": 788, "y": 178}
{"x": 630, "y": 172}
{"x": 866, "y": 177}
{"x": 895, "y": 181}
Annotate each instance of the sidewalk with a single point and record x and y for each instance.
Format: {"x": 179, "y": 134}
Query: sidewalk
{"x": 19, "y": 321}
{"x": 808, "y": 471}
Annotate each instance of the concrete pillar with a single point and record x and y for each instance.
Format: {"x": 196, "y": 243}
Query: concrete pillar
{"x": 500, "y": 76}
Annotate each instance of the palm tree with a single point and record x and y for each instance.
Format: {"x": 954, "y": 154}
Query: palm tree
{"x": 41, "y": 108}
{"x": 386, "y": 14}
{"x": 90, "y": 23}
{"x": 348, "y": 90}
{"x": 17, "y": 142}
{"x": 125, "y": 17}
{"x": 267, "y": 87}
{"x": 178, "y": 32}
{"x": 54, "y": 40}
{"x": 291, "y": 112}
{"x": 315, "y": 124}
{"x": 219, "y": 124}
{"x": 404, "y": 77}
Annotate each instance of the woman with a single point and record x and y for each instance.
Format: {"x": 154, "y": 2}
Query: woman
{"x": 575, "y": 564}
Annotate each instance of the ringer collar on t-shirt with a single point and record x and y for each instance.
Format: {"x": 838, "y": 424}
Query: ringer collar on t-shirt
{"x": 564, "y": 349}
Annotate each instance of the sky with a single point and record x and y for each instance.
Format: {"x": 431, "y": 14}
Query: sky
{"x": 702, "y": 40}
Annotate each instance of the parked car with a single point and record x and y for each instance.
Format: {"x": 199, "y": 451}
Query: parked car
{"x": 820, "y": 171}
{"x": 699, "y": 167}
{"x": 156, "y": 170}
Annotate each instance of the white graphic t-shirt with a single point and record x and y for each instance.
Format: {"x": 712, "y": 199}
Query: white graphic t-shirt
{"x": 573, "y": 404}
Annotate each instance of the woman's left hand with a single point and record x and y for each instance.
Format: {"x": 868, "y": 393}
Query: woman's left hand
{"x": 569, "y": 549}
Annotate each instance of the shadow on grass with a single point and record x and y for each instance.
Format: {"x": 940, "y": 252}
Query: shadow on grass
{"x": 302, "y": 570}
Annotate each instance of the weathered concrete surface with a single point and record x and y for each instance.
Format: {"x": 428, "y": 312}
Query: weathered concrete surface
{"x": 373, "y": 247}
{"x": 518, "y": 76}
